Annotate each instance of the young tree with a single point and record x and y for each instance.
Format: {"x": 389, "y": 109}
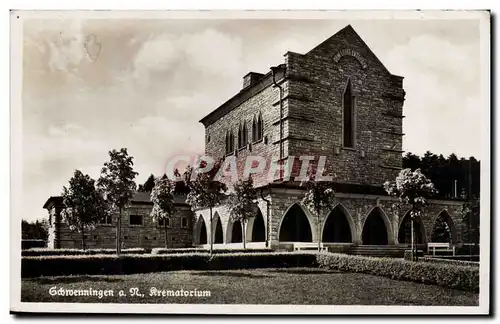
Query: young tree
{"x": 412, "y": 188}
{"x": 162, "y": 196}
{"x": 205, "y": 191}
{"x": 148, "y": 185}
{"x": 318, "y": 198}
{"x": 83, "y": 205}
{"x": 117, "y": 185}
{"x": 242, "y": 203}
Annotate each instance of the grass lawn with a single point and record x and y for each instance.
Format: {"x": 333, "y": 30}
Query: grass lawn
{"x": 256, "y": 286}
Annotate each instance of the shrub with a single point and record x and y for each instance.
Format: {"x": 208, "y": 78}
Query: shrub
{"x": 450, "y": 261}
{"x": 202, "y": 250}
{"x": 408, "y": 256}
{"x": 446, "y": 275}
{"x": 29, "y": 244}
{"x": 127, "y": 264}
{"x": 467, "y": 250}
{"x": 48, "y": 252}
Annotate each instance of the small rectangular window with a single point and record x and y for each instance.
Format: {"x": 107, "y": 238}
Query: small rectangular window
{"x": 184, "y": 222}
{"x": 162, "y": 221}
{"x": 107, "y": 220}
{"x": 135, "y": 220}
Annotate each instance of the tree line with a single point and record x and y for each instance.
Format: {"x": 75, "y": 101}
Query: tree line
{"x": 37, "y": 230}
{"x": 444, "y": 171}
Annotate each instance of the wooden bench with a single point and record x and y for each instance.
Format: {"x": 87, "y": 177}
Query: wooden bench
{"x": 308, "y": 246}
{"x": 440, "y": 247}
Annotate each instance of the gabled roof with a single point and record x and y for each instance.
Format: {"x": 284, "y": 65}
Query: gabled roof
{"x": 266, "y": 80}
{"x": 53, "y": 200}
{"x": 350, "y": 31}
{"x": 138, "y": 198}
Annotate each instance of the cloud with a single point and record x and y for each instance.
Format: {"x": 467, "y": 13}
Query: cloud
{"x": 209, "y": 52}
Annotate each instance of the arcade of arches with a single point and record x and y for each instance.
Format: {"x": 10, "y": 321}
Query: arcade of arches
{"x": 362, "y": 225}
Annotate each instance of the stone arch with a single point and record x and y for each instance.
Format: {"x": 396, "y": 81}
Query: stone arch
{"x": 338, "y": 226}
{"x": 377, "y": 228}
{"x": 217, "y": 232}
{"x": 234, "y": 232}
{"x": 297, "y": 225}
{"x": 256, "y": 228}
{"x": 404, "y": 230}
{"x": 444, "y": 216}
{"x": 201, "y": 231}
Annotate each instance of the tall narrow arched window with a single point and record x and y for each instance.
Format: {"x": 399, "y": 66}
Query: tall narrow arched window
{"x": 231, "y": 141}
{"x": 240, "y": 139}
{"x": 254, "y": 130}
{"x": 244, "y": 135}
{"x": 228, "y": 139}
{"x": 348, "y": 116}
{"x": 260, "y": 127}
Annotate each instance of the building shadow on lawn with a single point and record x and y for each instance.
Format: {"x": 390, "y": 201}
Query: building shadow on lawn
{"x": 74, "y": 279}
{"x": 229, "y": 274}
{"x": 303, "y": 271}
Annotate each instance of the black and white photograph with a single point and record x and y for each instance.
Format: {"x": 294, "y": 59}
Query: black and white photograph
{"x": 250, "y": 162}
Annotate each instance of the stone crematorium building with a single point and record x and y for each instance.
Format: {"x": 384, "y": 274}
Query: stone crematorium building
{"x": 339, "y": 101}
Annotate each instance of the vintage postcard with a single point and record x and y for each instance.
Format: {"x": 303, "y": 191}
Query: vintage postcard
{"x": 250, "y": 162}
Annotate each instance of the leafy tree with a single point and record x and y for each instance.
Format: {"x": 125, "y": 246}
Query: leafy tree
{"x": 148, "y": 185}
{"x": 318, "y": 198}
{"x": 205, "y": 191}
{"x": 162, "y": 197}
{"x": 441, "y": 231}
{"x": 470, "y": 219}
{"x": 412, "y": 188}
{"x": 37, "y": 230}
{"x": 181, "y": 183}
{"x": 242, "y": 203}
{"x": 117, "y": 185}
{"x": 83, "y": 205}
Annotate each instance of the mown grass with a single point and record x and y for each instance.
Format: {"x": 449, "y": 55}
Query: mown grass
{"x": 257, "y": 286}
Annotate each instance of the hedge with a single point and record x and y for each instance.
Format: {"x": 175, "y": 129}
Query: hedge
{"x": 441, "y": 274}
{"x": 49, "y": 252}
{"x": 29, "y": 244}
{"x": 127, "y": 264}
{"x": 450, "y": 261}
{"x": 203, "y": 250}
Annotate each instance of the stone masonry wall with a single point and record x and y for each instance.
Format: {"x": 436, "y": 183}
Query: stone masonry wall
{"x": 147, "y": 235}
{"x": 317, "y": 84}
{"x": 356, "y": 206}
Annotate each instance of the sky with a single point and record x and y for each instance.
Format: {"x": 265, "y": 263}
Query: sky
{"x": 93, "y": 85}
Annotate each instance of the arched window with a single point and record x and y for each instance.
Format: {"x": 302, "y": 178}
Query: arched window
{"x": 229, "y": 142}
{"x": 260, "y": 127}
{"x": 348, "y": 116}
{"x": 254, "y": 130}
{"x": 244, "y": 136}
{"x": 240, "y": 139}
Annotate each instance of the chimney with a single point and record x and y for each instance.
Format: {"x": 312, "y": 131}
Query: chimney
{"x": 251, "y": 78}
